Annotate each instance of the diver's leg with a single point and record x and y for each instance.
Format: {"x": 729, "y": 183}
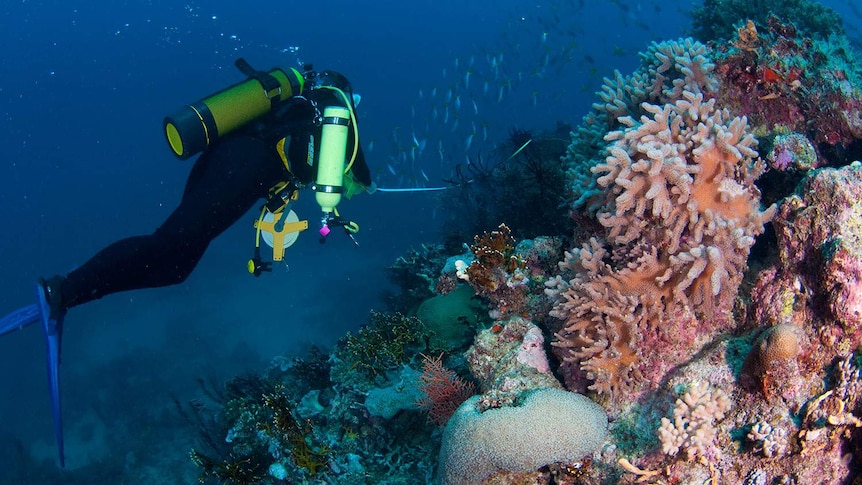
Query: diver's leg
{"x": 223, "y": 186}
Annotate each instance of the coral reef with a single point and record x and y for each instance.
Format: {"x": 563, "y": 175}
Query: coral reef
{"x": 792, "y": 151}
{"x": 791, "y": 379}
{"x": 705, "y": 366}
{"x": 784, "y": 81}
{"x": 667, "y": 69}
{"x": 295, "y": 425}
{"x": 668, "y": 211}
{"x": 818, "y": 277}
{"x": 714, "y": 20}
{"x": 693, "y": 428}
{"x": 772, "y": 362}
{"x": 816, "y": 437}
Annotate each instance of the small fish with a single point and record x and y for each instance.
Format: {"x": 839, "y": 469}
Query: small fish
{"x": 421, "y": 147}
{"x": 500, "y": 94}
{"x": 391, "y": 169}
{"x": 467, "y": 80}
{"x": 484, "y": 133}
{"x": 475, "y": 107}
{"x": 485, "y": 88}
{"x": 433, "y": 91}
{"x": 544, "y": 37}
{"x": 448, "y": 95}
{"x": 446, "y": 115}
{"x": 434, "y": 113}
{"x": 421, "y": 96}
{"x": 455, "y": 125}
{"x": 468, "y": 142}
{"x": 370, "y": 146}
{"x": 458, "y": 103}
{"x": 457, "y": 63}
{"x": 422, "y": 172}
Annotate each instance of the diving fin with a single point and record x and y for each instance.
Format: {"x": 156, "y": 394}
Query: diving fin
{"x": 19, "y": 319}
{"x": 53, "y": 327}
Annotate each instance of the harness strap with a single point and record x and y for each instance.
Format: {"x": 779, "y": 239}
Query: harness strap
{"x": 270, "y": 84}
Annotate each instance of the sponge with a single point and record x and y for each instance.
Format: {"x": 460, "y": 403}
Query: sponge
{"x": 551, "y": 425}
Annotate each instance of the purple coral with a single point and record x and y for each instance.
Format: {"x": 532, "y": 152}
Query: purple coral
{"x": 792, "y": 151}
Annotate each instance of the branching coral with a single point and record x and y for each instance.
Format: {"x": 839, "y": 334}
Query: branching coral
{"x": 680, "y": 211}
{"x": 667, "y": 70}
{"x": 693, "y": 430}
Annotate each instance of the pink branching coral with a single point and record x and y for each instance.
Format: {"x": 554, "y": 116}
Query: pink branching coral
{"x": 444, "y": 390}
{"x": 680, "y": 212}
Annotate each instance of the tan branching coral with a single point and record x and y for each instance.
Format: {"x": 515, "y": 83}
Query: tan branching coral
{"x": 693, "y": 429}
{"x": 681, "y": 212}
{"x": 667, "y": 70}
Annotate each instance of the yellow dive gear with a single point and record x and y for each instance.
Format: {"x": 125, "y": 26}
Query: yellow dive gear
{"x": 278, "y": 226}
{"x": 278, "y": 231}
{"x": 196, "y": 126}
{"x": 333, "y": 152}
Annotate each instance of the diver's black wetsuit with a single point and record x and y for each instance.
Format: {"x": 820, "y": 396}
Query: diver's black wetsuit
{"x": 225, "y": 182}
{"x": 223, "y": 185}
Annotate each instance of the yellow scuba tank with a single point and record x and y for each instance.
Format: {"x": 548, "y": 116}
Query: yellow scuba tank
{"x": 196, "y": 126}
{"x": 332, "y": 158}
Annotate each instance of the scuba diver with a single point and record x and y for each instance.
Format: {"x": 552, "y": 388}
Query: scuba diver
{"x": 265, "y": 138}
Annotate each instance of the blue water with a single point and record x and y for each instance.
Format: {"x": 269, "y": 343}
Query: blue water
{"x": 83, "y": 90}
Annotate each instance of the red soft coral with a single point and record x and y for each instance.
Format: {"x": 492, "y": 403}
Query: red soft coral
{"x": 444, "y": 390}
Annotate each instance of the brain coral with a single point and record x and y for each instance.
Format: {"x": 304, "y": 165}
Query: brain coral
{"x": 550, "y": 426}
{"x": 680, "y": 212}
